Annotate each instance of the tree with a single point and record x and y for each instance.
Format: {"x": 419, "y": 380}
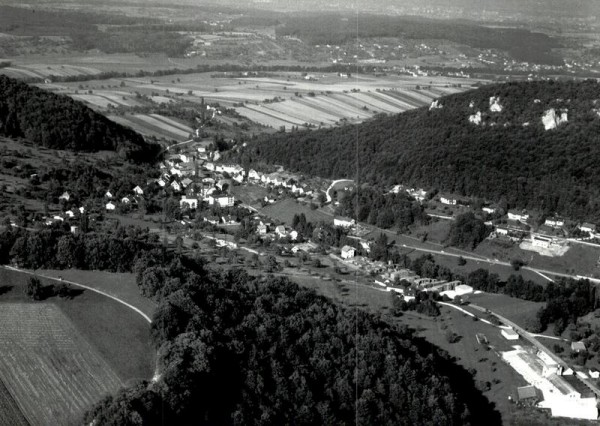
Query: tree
{"x": 34, "y": 288}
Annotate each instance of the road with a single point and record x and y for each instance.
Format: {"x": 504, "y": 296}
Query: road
{"x": 332, "y": 185}
{"x": 95, "y": 290}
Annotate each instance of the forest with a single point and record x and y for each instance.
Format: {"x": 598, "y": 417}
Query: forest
{"x": 240, "y": 349}
{"x": 509, "y": 157}
{"x": 335, "y": 29}
{"x": 59, "y": 122}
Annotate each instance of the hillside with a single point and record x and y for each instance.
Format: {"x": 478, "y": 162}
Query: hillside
{"x": 59, "y": 122}
{"x": 237, "y": 349}
{"x": 529, "y": 145}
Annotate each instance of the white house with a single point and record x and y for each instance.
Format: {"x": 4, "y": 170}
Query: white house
{"x": 108, "y": 194}
{"x": 518, "y": 216}
{"x": 221, "y": 200}
{"x": 110, "y": 206}
{"x": 417, "y": 194}
{"x": 587, "y": 227}
{"x": 70, "y": 213}
{"x": 190, "y": 203}
{"x": 176, "y": 185}
{"x": 554, "y": 222}
{"x": 138, "y": 191}
{"x": 125, "y": 200}
{"x": 161, "y": 182}
{"x": 238, "y": 178}
{"x": 501, "y": 230}
{"x": 489, "y": 210}
{"x": 344, "y": 222}
{"x": 449, "y": 201}
{"x": 262, "y": 229}
{"x": 253, "y": 175}
{"x": 539, "y": 241}
{"x": 293, "y": 235}
{"x": 280, "y": 231}
{"x": 81, "y": 209}
{"x": 297, "y": 189}
{"x": 510, "y": 334}
{"x": 65, "y": 196}
{"x": 212, "y": 219}
{"x": 348, "y": 252}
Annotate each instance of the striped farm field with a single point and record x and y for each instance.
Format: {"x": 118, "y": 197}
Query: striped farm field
{"x": 151, "y": 126}
{"x": 303, "y": 112}
{"x": 172, "y": 123}
{"x": 94, "y": 100}
{"x": 154, "y": 122}
{"x": 337, "y": 106}
{"x": 52, "y": 372}
{"x": 263, "y": 119}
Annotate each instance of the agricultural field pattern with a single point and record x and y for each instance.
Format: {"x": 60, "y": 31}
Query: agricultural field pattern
{"x": 52, "y": 371}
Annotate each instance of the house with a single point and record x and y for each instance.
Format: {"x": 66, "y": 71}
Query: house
{"x": 348, "y": 252}
{"x": 229, "y": 220}
{"x": 138, "y": 191}
{"x": 489, "y": 210}
{"x": 65, "y": 196}
{"x": 69, "y": 213}
{"x": 253, "y": 175}
{"x": 238, "y": 178}
{"x": 221, "y": 200}
{"x": 110, "y": 206}
{"x": 594, "y": 374}
{"x": 58, "y": 218}
{"x": 578, "y": 347}
{"x": 294, "y": 235}
{"x": 74, "y": 229}
{"x": 161, "y": 182}
{"x": 518, "y": 216}
{"x": 587, "y": 227}
{"x": 510, "y": 334}
{"x": 418, "y": 194}
{"x": 262, "y": 229}
{"x": 125, "y": 200}
{"x": 297, "y": 189}
{"x": 108, "y": 194}
{"x": 344, "y": 222}
{"x": 554, "y": 222}
{"x": 448, "y": 200}
{"x": 190, "y": 203}
{"x": 211, "y": 219}
{"x": 500, "y": 230}
{"x": 176, "y": 186}
{"x": 280, "y": 231}
{"x": 186, "y": 182}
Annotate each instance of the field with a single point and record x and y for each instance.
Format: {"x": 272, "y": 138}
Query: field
{"x": 284, "y": 211}
{"x": 49, "y": 368}
{"x": 10, "y": 414}
{"x": 117, "y": 335}
{"x": 517, "y": 310}
{"x": 282, "y": 99}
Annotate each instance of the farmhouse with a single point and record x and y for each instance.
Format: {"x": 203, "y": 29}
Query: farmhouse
{"x": 554, "y": 222}
{"x": 510, "y": 334}
{"x": 587, "y": 227}
{"x": 448, "y": 200}
{"x": 138, "y": 191}
{"x": 518, "y": 216}
{"x": 190, "y": 203}
{"x": 348, "y": 252}
{"x": 344, "y": 222}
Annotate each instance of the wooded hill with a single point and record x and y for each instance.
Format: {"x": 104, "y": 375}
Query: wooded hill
{"x": 509, "y": 157}
{"x": 59, "y": 122}
{"x": 242, "y": 350}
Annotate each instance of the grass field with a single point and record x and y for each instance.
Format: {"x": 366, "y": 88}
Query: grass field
{"x": 49, "y": 368}
{"x": 285, "y": 210}
{"x": 517, "y": 310}
{"x": 10, "y": 413}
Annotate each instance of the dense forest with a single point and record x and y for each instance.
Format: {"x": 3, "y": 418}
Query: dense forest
{"x": 238, "y": 349}
{"x": 508, "y": 157}
{"x": 336, "y": 29}
{"x": 59, "y": 122}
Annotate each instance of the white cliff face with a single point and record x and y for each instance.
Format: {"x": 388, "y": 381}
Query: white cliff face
{"x": 475, "y": 118}
{"x": 435, "y": 105}
{"x": 495, "y": 104}
{"x": 551, "y": 119}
